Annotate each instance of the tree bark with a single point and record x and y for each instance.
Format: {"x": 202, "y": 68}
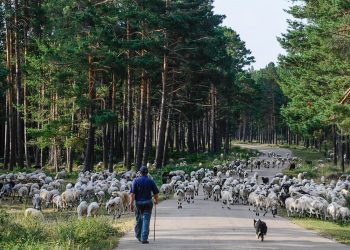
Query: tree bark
{"x": 342, "y": 154}
{"x": 129, "y": 106}
{"x": 142, "y": 120}
{"x": 19, "y": 94}
{"x": 11, "y": 111}
{"x": 212, "y": 119}
{"x": 148, "y": 129}
{"x": 162, "y": 112}
{"x": 111, "y": 126}
{"x": 88, "y": 163}
{"x": 335, "y": 148}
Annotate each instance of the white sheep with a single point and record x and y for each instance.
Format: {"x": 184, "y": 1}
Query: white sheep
{"x": 36, "y": 201}
{"x": 68, "y": 198}
{"x": 33, "y": 213}
{"x": 196, "y": 187}
{"x": 23, "y": 193}
{"x": 290, "y": 206}
{"x": 93, "y": 209}
{"x": 180, "y": 195}
{"x": 60, "y": 175}
{"x": 57, "y": 202}
{"x": 217, "y": 193}
{"x": 44, "y": 195}
{"x": 332, "y": 210}
{"x": 125, "y": 200}
{"x": 82, "y": 209}
{"x": 227, "y": 197}
{"x": 166, "y": 189}
{"x": 343, "y": 213}
{"x": 115, "y": 205}
{"x": 207, "y": 189}
{"x": 189, "y": 193}
{"x": 100, "y": 196}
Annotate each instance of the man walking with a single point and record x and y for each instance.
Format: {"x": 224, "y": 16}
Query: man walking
{"x": 141, "y": 193}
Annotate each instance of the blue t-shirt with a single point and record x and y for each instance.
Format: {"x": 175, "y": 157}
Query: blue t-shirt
{"x": 143, "y": 187}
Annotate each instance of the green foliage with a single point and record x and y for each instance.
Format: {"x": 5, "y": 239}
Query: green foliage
{"x": 17, "y": 234}
{"x": 98, "y": 233}
{"x": 338, "y": 231}
{"x": 314, "y": 73}
{"x": 85, "y": 231}
{"x": 102, "y": 117}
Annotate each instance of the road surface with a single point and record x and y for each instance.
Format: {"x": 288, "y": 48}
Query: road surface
{"x": 206, "y": 225}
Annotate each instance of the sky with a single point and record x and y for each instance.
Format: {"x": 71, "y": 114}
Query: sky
{"x": 258, "y": 22}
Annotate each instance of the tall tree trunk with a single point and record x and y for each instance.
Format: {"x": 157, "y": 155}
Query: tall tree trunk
{"x": 19, "y": 96}
{"x": 111, "y": 126}
{"x": 190, "y": 136}
{"x": 25, "y": 113}
{"x": 162, "y": 111}
{"x": 335, "y": 148}
{"x": 227, "y": 137}
{"x": 142, "y": 120}
{"x": 212, "y": 119}
{"x": 106, "y": 145}
{"x": 342, "y": 154}
{"x": 125, "y": 128}
{"x": 88, "y": 163}
{"x": 167, "y": 129}
{"x": 129, "y": 106}
{"x": 148, "y": 129}
{"x": 11, "y": 111}
{"x": 6, "y": 135}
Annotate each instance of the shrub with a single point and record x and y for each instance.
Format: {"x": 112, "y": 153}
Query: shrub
{"x": 85, "y": 231}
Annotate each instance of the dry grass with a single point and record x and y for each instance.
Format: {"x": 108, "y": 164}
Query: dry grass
{"x": 60, "y": 230}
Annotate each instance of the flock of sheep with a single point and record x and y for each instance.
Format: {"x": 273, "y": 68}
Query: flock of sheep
{"x": 87, "y": 194}
{"x": 231, "y": 183}
{"x": 236, "y": 183}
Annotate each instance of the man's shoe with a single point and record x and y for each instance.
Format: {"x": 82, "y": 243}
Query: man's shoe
{"x": 145, "y": 242}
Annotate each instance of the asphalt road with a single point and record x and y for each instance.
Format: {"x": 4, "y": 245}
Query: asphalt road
{"x": 206, "y": 225}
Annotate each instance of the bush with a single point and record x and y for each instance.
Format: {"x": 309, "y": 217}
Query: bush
{"x": 85, "y": 231}
{"x": 90, "y": 233}
{"x": 15, "y": 235}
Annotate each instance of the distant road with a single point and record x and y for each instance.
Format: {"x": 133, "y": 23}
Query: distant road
{"x": 205, "y": 225}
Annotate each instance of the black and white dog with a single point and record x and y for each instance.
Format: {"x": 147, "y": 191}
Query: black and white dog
{"x": 260, "y": 229}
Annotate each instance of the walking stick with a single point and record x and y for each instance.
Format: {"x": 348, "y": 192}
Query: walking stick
{"x": 154, "y": 224}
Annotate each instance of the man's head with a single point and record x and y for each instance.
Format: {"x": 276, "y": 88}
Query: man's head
{"x": 144, "y": 170}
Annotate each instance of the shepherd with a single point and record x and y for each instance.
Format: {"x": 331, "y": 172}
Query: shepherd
{"x": 142, "y": 190}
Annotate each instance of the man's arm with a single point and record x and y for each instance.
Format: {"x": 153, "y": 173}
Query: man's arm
{"x": 155, "y": 192}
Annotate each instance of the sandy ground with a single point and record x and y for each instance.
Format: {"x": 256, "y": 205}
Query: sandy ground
{"x": 206, "y": 225}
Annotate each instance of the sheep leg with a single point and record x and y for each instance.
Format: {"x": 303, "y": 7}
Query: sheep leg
{"x": 265, "y": 212}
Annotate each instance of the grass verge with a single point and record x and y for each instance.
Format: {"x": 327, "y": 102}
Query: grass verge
{"x": 329, "y": 229}
{"x": 92, "y": 233}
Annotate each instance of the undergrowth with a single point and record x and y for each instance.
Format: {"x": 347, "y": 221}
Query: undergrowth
{"x": 91, "y": 233}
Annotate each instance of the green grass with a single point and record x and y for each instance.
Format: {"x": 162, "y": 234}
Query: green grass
{"x": 314, "y": 171}
{"x": 62, "y": 232}
{"x": 337, "y": 231}
{"x": 307, "y": 154}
